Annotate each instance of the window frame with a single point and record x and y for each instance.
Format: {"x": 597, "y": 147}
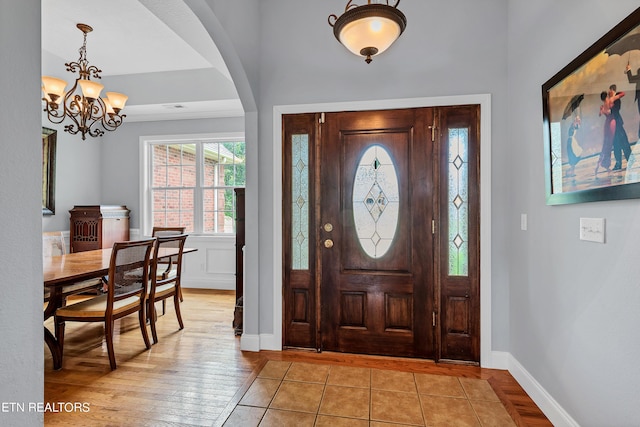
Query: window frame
{"x": 146, "y": 175}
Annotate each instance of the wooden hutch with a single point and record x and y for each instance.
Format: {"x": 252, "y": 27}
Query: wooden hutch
{"x": 97, "y": 227}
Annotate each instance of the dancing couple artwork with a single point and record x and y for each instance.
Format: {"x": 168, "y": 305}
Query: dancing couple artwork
{"x": 592, "y": 121}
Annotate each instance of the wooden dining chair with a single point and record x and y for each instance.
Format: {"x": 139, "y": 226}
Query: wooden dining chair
{"x": 166, "y": 286}
{"x": 126, "y": 294}
{"x": 166, "y": 231}
{"x": 53, "y": 244}
{"x": 169, "y": 264}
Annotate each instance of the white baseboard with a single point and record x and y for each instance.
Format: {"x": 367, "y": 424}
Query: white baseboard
{"x": 270, "y": 342}
{"x": 249, "y": 342}
{"x": 208, "y": 284}
{"x": 499, "y": 360}
{"x": 552, "y": 409}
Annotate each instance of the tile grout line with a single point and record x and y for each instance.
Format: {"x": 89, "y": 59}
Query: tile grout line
{"x": 370, "y": 394}
{"x": 469, "y": 402}
{"x": 422, "y": 409}
{"x": 324, "y": 390}
{"x": 464, "y": 390}
{"x": 275, "y": 393}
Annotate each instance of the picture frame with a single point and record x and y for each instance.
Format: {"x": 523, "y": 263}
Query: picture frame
{"x": 585, "y": 121}
{"x": 49, "y": 141}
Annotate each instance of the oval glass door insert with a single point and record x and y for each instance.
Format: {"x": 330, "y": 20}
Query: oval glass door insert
{"x": 376, "y": 198}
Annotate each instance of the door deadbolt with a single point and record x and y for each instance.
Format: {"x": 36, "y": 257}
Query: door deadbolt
{"x": 328, "y": 227}
{"x": 328, "y": 243}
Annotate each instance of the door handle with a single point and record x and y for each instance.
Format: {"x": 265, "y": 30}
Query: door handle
{"x": 328, "y": 243}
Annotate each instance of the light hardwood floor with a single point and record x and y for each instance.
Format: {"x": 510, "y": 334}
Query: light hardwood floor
{"x": 199, "y": 376}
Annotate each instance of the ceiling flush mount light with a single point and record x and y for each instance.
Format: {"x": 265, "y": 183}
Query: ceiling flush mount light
{"x": 89, "y": 113}
{"x": 370, "y": 29}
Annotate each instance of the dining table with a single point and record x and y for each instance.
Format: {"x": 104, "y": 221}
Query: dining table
{"x": 69, "y": 269}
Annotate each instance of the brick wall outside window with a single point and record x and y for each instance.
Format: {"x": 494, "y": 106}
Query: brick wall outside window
{"x": 175, "y": 185}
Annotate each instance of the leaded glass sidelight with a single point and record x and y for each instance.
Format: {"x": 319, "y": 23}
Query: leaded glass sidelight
{"x": 376, "y": 201}
{"x": 300, "y": 202}
{"x": 458, "y": 201}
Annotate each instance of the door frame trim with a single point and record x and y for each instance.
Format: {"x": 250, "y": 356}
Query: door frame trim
{"x": 484, "y": 100}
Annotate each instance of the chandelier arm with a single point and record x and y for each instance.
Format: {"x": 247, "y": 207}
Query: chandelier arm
{"x": 350, "y": 5}
{"x": 73, "y": 110}
{"x": 73, "y": 103}
{"x": 95, "y": 114}
{"x": 109, "y": 122}
{"x": 95, "y": 71}
{"x": 72, "y": 129}
{"x": 83, "y": 128}
{"x": 94, "y": 132}
{"x": 72, "y": 66}
{"x": 54, "y": 113}
{"x": 112, "y": 121}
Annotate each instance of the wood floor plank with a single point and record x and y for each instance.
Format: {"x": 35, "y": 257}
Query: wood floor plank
{"x": 197, "y": 376}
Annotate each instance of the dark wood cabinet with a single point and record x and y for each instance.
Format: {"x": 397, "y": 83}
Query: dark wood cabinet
{"x": 237, "y": 317}
{"x": 97, "y": 227}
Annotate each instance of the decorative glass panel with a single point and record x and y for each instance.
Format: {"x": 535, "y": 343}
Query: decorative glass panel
{"x": 458, "y": 200}
{"x": 300, "y": 202}
{"x": 376, "y": 201}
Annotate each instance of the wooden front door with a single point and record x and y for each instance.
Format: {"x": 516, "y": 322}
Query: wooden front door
{"x": 376, "y": 192}
{"x": 366, "y": 195}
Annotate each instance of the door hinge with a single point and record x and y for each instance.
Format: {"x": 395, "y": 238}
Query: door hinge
{"x": 433, "y": 319}
{"x": 433, "y": 226}
{"x": 433, "y": 129}
{"x": 321, "y": 120}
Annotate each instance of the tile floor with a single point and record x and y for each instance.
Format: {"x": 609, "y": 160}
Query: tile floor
{"x": 307, "y": 394}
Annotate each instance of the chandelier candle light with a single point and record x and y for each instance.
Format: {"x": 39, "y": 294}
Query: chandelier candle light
{"x": 370, "y": 29}
{"x": 86, "y": 109}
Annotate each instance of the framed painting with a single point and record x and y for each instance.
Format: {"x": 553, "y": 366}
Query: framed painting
{"x": 49, "y": 137}
{"x": 591, "y": 118}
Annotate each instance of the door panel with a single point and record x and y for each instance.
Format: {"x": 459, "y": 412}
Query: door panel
{"x": 377, "y": 295}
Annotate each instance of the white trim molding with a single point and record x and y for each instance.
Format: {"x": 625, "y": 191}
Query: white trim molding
{"x": 250, "y": 342}
{"x": 484, "y": 100}
{"x": 500, "y": 360}
{"x": 547, "y": 404}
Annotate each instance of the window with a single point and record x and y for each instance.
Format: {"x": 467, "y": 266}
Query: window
{"x": 191, "y": 183}
{"x": 458, "y": 194}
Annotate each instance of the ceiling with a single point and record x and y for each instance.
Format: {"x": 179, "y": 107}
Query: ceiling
{"x": 156, "y": 52}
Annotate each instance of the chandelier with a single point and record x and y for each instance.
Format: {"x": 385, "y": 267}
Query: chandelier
{"x": 89, "y": 113}
{"x": 370, "y": 29}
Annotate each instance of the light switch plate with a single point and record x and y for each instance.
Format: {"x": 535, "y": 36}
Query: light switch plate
{"x": 523, "y": 222}
{"x": 592, "y": 229}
